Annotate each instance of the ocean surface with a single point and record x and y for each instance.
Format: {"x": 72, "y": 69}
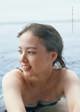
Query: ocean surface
{"x": 9, "y": 44}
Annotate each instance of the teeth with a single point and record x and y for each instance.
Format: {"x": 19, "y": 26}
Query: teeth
{"x": 27, "y": 67}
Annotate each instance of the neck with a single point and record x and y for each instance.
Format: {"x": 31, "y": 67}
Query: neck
{"x": 41, "y": 80}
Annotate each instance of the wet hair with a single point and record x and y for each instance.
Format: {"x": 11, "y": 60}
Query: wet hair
{"x": 50, "y": 37}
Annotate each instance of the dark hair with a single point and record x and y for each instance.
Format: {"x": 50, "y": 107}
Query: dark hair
{"x": 51, "y": 39}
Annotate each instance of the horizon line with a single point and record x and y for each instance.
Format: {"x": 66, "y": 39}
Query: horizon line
{"x": 30, "y": 21}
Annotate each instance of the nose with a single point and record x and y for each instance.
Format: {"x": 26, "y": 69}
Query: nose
{"x": 23, "y": 58}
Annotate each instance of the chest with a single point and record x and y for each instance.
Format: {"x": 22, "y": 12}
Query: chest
{"x": 47, "y": 93}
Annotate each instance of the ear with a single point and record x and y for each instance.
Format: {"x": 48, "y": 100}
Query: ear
{"x": 53, "y": 56}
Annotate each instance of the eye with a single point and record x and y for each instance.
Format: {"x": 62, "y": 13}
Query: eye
{"x": 20, "y": 51}
{"x": 31, "y": 52}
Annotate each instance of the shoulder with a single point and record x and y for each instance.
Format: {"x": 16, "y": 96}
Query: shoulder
{"x": 68, "y": 75}
{"x": 64, "y": 75}
{"x": 13, "y": 90}
{"x": 12, "y": 79}
{"x": 13, "y": 74}
{"x": 69, "y": 79}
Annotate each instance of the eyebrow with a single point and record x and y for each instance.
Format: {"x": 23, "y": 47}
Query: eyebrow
{"x": 31, "y": 47}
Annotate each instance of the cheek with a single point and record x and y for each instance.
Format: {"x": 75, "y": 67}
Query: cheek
{"x": 34, "y": 62}
{"x": 40, "y": 63}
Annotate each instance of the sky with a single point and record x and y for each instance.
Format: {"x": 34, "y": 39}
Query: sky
{"x": 43, "y": 10}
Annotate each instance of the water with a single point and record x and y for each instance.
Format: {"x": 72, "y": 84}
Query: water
{"x": 9, "y": 44}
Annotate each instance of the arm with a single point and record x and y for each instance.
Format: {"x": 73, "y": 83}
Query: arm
{"x": 72, "y": 91}
{"x": 12, "y": 93}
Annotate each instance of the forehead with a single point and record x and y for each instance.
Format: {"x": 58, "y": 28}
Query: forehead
{"x": 28, "y": 39}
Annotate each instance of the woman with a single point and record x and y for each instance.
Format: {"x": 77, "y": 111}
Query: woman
{"x": 41, "y": 81}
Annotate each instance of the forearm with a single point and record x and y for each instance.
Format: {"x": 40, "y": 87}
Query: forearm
{"x": 14, "y": 106}
{"x": 12, "y": 94}
{"x": 13, "y": 100}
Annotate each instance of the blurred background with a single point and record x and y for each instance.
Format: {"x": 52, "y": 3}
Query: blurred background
{"x": 64, "y": 15}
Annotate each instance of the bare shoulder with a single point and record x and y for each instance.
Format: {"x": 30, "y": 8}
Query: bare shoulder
{"x": 69, "y": 79}
{"x": 12, "y": 86}
{"x": 12, "y": 79}
{"x": 69, "y": 75}
{"x": 11, "y": 75}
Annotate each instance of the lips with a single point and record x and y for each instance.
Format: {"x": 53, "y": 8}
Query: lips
{"x": 26, "y": 67}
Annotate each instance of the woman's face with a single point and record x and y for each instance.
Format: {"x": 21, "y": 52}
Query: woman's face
{"x": 34, "y": 58}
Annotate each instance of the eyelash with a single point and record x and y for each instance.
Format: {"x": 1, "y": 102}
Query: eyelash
{"x": 28, "y": 52}
{"x": 31, "y": 52}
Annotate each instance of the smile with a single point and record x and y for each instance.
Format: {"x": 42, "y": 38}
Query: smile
{"x": 27, "y": 68}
